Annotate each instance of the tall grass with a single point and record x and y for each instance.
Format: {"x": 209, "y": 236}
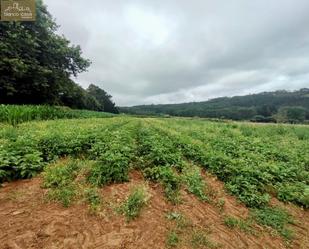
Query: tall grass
{"x": 15, "y": 114}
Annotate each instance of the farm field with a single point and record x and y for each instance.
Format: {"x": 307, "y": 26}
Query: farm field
{"x": 126, "y": 182}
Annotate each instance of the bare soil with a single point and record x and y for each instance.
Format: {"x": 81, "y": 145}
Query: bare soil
{"x": 29, "y": 221}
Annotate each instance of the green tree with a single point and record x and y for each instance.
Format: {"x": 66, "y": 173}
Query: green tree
{"x": 291, "y": 114}
{"x": 35, "y": 62}
{"x": 75, "y": 96}
{"x": 103, "y": 98}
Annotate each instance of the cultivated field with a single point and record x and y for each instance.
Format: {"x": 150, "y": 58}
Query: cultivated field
{"x": 125, "y": 182}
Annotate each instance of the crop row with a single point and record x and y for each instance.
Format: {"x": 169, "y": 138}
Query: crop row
{"x": 15, "y": 114}
{"x": 25, "y": 150}
{"x": 252, "y": 170}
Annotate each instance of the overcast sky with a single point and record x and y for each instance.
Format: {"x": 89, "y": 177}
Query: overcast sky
{"x": 171, "y": 51}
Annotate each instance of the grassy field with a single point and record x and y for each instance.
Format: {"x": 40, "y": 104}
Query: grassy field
{"x": 79, "y": 156}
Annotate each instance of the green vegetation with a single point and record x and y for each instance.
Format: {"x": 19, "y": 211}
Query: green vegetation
{"x": 59, "y": 178}
{"x": 254, "y": 166}
{"x": 135, "y": 202}
{"x": 93, "y": 197}
{"x": 172, "y": 239}
{"x": 25, "y": 150}
{"x": 195, "y": 183}
{"x": 243, "y": 225}
{"x": 16, "y": 114}
{"x": 279, "y": 106}
{"x": 200, "y": 240}
{"x": 184, "y": 232}
{"x": 169, "y": 179}
{"x": 66, "y": 182}
{"x": 255, "y": 162}
{"x": 37, "y": 65}
{"x": 275, "y": 218}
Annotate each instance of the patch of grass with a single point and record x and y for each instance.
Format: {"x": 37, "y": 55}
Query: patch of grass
{"x": 195, "y": 183}
{"x": 137, "y": 199}
{"x": 200, "y": 240}
{"x": 93, "y": 198}
{"x": 172, "y": 239}
{"x": 63, "y": 194}
{"x": 220, "y": 204}
{"x": 184, "y": 232}
{"x": 276, "y": 218}
{"x": 60, "y": 177}
{"x": 243, "y": 225}
{"x": 61, "y": 173}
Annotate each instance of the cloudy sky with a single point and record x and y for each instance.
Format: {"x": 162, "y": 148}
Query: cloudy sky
{"x": 171, "y": 51}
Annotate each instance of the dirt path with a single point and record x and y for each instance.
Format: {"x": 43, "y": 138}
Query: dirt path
{"x": 27, "y": 221}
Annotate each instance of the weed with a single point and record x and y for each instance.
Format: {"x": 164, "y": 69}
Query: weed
{"x": 135, "y": 202}
{"x": 243, "y": 225}
{"x": 59, "y": 178}
{"x": 200, "y": 240}
{"x": 61, "y": 173}
{"x": 220, "y": 204}
{"x": 93, "y": 198}
{"x": 172, "y": 239}
{"x": 64, "y": 194}
{"x": 173, "y": 216}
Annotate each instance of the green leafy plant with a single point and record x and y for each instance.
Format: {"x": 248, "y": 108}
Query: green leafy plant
{"x": 137, "y": 199}
{"x": 170, "y": 181}
{"x": 276, "y": 218}
{"x": 195, "y": 183}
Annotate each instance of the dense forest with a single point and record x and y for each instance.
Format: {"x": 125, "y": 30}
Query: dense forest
{"x": 37, "y": 66}
{"x": 278, "y": 106}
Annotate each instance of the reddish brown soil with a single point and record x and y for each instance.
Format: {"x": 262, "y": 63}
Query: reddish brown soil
{"x": 27, "y": 221}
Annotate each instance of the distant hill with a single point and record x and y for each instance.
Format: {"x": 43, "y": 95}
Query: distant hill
{"x": 282, "y": 106}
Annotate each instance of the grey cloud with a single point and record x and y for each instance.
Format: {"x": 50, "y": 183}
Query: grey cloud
{"x": 177, "y": 51}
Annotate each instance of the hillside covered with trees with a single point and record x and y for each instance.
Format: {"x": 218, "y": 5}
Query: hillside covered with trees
{"x": 37, "y": 66}
{"x": 280, "y": 106}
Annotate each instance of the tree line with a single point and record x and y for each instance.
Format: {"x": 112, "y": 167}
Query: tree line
{"x": 37, "y": 66}
{"x": 279, "y": 106}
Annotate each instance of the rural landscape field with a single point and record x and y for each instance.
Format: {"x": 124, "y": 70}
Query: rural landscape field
{"x": 153, "y": 124}
{"x": 127, "y": 182}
